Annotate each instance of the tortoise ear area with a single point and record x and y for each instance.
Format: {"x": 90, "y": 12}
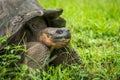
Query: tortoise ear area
{"x": 46, "y": 39}
{"x": 52, "y": 13}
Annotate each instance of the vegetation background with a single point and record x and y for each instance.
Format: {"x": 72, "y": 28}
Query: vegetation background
{"x": 95, "y": 28}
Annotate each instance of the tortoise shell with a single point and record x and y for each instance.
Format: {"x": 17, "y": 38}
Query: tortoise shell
{"x": 15, "y": 13}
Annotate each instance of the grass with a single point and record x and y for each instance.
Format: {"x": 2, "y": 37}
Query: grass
{"x": 95, "y": 28}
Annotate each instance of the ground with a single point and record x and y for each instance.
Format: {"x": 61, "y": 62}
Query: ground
{"x": 95, "y": 28}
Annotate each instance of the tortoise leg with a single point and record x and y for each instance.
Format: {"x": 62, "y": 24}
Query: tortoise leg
{"x": 65, "y": 55}
{"x": 37, "y": 54}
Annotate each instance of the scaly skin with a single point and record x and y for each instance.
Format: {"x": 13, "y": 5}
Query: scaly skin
{"x": 45, "y": 38}
{"x": 37, "y": 54}
{"x": 26, "y": 21}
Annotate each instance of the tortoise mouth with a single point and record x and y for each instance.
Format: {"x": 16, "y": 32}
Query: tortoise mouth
{"x": 59, "y": 42}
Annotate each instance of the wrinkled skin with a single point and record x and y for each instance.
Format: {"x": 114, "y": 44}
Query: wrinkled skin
{"x": 25, "y": 21}
{"x": 65, "y": 56}
{"x": 45, "y": 38}
{"x": 37, "y": 54}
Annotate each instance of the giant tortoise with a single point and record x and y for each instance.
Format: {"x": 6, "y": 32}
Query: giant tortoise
{"x": 43, "y": 31}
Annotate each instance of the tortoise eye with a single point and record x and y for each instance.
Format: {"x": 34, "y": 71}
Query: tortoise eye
{"x": 59, "y": 31}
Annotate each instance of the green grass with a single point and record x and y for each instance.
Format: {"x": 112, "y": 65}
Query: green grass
{"x": 95, "y": 28}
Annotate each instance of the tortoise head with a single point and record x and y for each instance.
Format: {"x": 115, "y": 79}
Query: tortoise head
{"x": 55, "y": 37}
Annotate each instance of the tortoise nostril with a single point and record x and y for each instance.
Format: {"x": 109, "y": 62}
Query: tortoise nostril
{"x": 67, "y": 36}
{"x": 59, "y": 31}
